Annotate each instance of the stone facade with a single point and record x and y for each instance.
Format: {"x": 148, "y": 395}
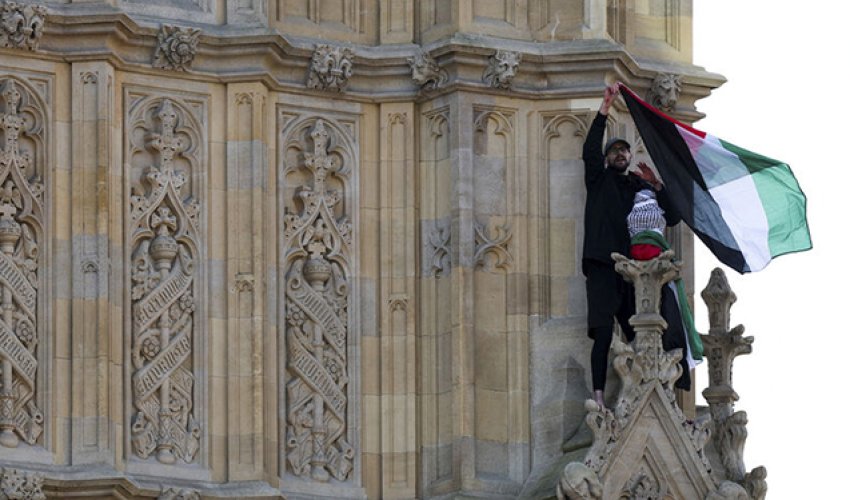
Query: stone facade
{"x": 305, "y": 249}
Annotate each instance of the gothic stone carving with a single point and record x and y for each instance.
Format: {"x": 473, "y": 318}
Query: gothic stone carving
{"x": 578, "y": 482}
{"x": 491, "y": 247}
{"x": 21, "y": 25}
{"x": 438, "y": 249}
{"x": 728, "y": 491}
{"x": 426, "y": 72}
{"x": 644, "y": 369}
{"x": 176, "y": 47}
{"x": 21, "y": 230}
{"x": 15, "y": 484}
{"x": 330, "y": 68}
{"x": 318, "y": 240}
{"x": 178, "y": 494}
{"x": 502, "y": 68}
{"x": 664, "y": 91}
{"x": 164, "y": 251}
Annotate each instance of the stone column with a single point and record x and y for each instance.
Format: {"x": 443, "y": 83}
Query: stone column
{"x": 96, "y": 322}
{"x": 397, "y": 301}
{"x": 245, "y": 222}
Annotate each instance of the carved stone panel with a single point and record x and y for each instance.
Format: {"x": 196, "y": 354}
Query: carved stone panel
{"x": 22, "y": 163}
{"x": 317, "y": 288}
{"x": 164, "y": 151}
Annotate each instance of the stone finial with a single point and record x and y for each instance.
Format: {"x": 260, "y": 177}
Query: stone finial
{"x": 330, "y": 68}
{"x": 176, "y": 47}
{"x": 578, "y": 482}
{"x": 722, "y": 346}
{"x": 664, "y": 91}
{"x": 21, "y": 25}
{"x": 502, "y": 68}
{"x": 648, "y": 276}
{"x": 426, "y": 72}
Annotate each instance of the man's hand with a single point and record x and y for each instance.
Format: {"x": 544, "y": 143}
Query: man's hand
{"x": 646, "y": 173}
{"x": 611, "y": 93}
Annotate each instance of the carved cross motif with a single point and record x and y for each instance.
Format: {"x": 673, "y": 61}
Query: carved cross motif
{"x": 20, "y": 234}
{"x": 317, "y": 433}
{"x": 163, "y": 301}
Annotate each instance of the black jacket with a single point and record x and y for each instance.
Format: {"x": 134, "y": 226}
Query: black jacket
{"x": 610, "y": 196}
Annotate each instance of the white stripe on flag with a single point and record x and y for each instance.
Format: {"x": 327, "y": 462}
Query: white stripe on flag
{"x": 741, "y": 207}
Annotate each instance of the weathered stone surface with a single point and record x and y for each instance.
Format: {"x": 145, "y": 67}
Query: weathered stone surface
{"x": 331, "y": 250}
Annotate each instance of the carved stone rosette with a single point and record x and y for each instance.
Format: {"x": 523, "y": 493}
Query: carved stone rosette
{"x": 318, "y": 252}
{"x": 176, "y": 47}
{"x": 502, "y": 68}
{"x": 164, "y": 242}
{"x": 21, "y": 235}
{"x": 21, "y": 25}
{"x": 330, "y": 68}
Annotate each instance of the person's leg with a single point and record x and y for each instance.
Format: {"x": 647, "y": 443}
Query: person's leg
{"x": 602, "y": 337}
{"x": 674, "y": 335}
{"x": 602, "y": 301}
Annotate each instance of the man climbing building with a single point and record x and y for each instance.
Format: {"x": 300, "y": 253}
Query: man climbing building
{"x": 611, "y": 192}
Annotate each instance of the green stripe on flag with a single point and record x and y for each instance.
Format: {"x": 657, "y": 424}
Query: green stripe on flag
{"x": 782, "y": 199}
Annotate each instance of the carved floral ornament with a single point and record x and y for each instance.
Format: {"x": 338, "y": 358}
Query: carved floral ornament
{"x": 21, "y": 234}
{"x": 164, "y": 242}
{"x": 176, "y": 47}
{"x": 330, "y": 68}
{"x": 21, "y": 25}
{"x": 19, "y": 484}
{"x": 318, "y": 239}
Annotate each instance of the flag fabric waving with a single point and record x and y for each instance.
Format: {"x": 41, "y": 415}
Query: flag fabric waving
{"x": 746, "y": 208}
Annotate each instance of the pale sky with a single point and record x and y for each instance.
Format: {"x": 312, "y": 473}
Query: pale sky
{"x": 786, "y": 98}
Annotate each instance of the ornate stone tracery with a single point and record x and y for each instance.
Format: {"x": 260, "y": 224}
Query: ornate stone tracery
{"x": 164, "y": 242}
{"x": 318, "y": 239}
{"x": 21, "y": 236}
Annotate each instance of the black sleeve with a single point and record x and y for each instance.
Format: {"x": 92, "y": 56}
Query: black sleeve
{"x": 670, "y": 213}
{"x": 594, "y": 161}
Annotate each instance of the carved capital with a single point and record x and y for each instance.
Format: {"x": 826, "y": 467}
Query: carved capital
{"x": 176, "y": 47}
{"x": 178, "y": 494}
{"x": 21, "y": 25}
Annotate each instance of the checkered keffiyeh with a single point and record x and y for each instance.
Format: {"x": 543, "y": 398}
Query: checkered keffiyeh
{"x": 646, "y": 215}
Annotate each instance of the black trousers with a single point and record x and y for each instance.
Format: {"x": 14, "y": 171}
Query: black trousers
{"x": 610, "y": 297}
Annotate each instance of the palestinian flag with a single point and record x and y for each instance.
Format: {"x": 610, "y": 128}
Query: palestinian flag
{"x": 745, "y": 207}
